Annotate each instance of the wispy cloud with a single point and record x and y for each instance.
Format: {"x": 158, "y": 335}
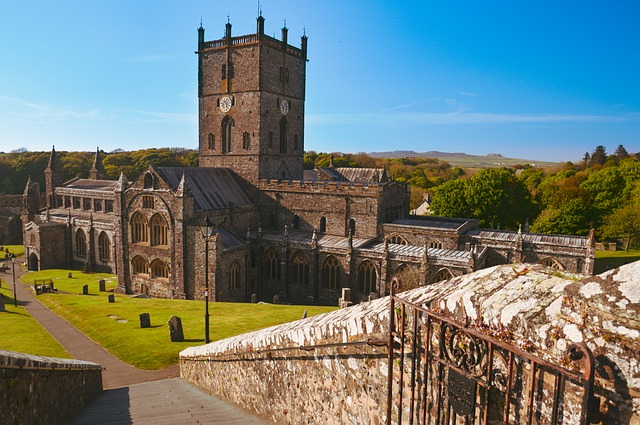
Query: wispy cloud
{"x": 468, "y": 94}
{"x": 166, "y": 117}
{"x": 148, "y": 58}
{"x": 462, "y": 117}
{"x": 16, "y": 109}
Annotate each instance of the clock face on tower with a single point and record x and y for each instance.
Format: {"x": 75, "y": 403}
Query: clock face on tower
{"x": 284, "y": 107}
{"x": 225, "y": 104}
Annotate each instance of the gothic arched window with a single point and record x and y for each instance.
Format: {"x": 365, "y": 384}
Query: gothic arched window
{"x": 159, "y": 269}
{"x": 398, "y": 240}
{"x": 139, "y": 265}
{"x": 273, "y": 265}
{"x": 159, "y": 230}
{"x": 148, "y": 181}
{"x": 331, "y": 272}
{"x": 211, "y": 141}
{"x": 323, "y": 224}
{"x": 139, "y": 230}
{"x": 104, "y": 247}
{"x": 367, "y": 277}
{"x": 283, "y": 135}
{"x": 234, "y": 276}
{"x": 81, "y": 244}
{"x": 442, "y": 274}
{"x": 300, "y": 269}
{"x": 352, "y": 227}
{"x": 227, "y": 123}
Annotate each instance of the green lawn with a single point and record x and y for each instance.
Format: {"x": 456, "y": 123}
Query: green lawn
{"x": 17, "y": 250}
{"x": 607, "y": 260}
{"x": 116, "y": 326}
{"x": 22, "y": 333}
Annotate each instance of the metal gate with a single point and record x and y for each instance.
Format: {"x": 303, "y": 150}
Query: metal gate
{"x": 441, "y": 372}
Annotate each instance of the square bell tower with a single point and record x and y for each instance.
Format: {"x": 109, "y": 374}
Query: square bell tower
{"x": 251, "y": 92}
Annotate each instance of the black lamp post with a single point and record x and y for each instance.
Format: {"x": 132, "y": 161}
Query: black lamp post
{"x": 206, "y": 229}
{"x": 15, "y": 294}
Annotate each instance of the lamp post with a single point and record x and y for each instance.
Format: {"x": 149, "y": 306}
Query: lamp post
{"x": 15, "y": 295}
{"x": 206, "y": 229}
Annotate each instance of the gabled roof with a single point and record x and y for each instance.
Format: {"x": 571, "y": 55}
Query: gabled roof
{"x": 88, "y": 184}
{"x": 212, "y": 188}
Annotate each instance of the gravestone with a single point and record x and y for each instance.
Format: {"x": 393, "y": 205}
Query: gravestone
{"x": 276, "y": 299}
{"x": 85, "y": 289}
{"x": 175, "y": 329}
{"x": 2, "y": 307}
{"x": 304, "y": 314}
{"x": 254, "y": 298}
{"x": 345, "y": 300}
{"x": 112, "y": 298}
{"x": 145, "y": 320}
{"x": 373, "y": 296}
{"x": 69, "y": 275}
{"x": 102, "y": 284}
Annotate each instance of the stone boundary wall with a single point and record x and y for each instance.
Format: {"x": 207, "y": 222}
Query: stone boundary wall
{"x": 45, "y": 390}
{"x": 538, "y": 309}
{"x": 266, "y": 371}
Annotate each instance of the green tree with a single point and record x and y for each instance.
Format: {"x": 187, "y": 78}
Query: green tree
{"x": 623, "y": 222}
{"x": 496, "y": 196}
{"x": 449, "y": 199}
{"x": 572, "y": 217}
{"x": 598, "y": 156}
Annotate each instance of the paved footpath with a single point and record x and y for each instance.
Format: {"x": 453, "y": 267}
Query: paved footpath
{"x": 132, "y": 396}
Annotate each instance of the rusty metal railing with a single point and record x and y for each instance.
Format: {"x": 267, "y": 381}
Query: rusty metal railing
{"x": 461, "y": 375}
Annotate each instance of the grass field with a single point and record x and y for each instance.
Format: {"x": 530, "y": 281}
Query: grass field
{"x": 607, "y": 260}
{"x": 22, "y": 333}
{"x": 116, "y": 326}
{"x": 17, "y": 250}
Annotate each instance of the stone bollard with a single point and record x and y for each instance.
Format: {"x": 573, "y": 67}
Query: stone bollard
{"x": 145, "y": 320}
{"x": 175, "y": 329}
{"x": 85, "y": 289}
{"x": 2, "y": 307}
{"x": 102, "y": 284}
{"x": 112, "y": 298}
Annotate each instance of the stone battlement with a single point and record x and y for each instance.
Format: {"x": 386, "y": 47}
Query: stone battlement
{"x": 324, "y": 186}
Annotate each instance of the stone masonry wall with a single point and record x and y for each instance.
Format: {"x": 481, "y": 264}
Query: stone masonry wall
{"x": 535, "y": 308}
{"x": 45, "y": 390}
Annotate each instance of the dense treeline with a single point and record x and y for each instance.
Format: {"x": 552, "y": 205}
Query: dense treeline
{"x": 600, "y": 191}
{"x": 16, "y": 167}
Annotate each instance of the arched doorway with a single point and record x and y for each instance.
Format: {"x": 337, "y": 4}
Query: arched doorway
{"x": 33, "y": 262}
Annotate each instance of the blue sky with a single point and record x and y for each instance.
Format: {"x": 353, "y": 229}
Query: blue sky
{"x": 542, "y": 80}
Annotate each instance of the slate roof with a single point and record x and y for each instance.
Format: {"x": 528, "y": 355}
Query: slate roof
{"x": 88, "y": 184}
{"x": 324, "y": 240}
{"x": 439, "y": 223}
{"x": 212, "y": 188}
{"x": 534, "y": 238}
{"x": 417, "y": 251}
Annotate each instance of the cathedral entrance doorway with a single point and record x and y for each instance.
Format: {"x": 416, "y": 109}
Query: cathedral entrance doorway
{"x": 33, "y": 262}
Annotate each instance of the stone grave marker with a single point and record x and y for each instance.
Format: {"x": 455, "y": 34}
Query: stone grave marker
{"x": 145, "y": 320}
{"x": 70, "y": 275}
{"x": 304, "y": 314}
{"x": 102, "y": 284}
{"x": 2, "y": 307}
{"x": 112, "y": 298}
{"x": 175, "y": 329}
{"x": 276, "y": 299}
{"x": 85, "y": 289}
{"x": 254, "y": 298}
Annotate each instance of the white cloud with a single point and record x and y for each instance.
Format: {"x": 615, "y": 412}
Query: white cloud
{"x": 461, "y": 117}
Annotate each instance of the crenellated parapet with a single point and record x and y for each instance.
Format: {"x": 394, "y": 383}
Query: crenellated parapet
{"x": 320, "y": 186}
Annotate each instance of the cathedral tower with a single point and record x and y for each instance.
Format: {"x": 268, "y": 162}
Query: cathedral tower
{"x": 251, "y": 92}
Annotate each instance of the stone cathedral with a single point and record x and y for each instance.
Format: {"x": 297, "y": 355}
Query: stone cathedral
{"x": 302, "y": 235}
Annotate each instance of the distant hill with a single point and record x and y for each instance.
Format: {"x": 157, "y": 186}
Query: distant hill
{"x": 464, "y": 160}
